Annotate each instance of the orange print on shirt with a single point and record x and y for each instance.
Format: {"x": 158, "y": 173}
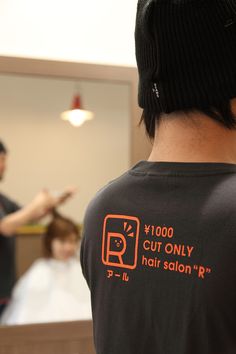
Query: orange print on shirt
{"x": 120, "y": 241}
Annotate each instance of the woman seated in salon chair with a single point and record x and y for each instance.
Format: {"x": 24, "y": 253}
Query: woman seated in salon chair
{"x": 53, "y": 289}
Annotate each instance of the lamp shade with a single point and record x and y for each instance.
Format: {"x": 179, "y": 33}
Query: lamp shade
{"x": 76, "y": 115}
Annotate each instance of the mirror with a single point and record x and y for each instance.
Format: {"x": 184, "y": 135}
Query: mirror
{"x": 45, "y": 151}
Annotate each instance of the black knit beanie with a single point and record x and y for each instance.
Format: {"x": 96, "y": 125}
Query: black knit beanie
{"x": 186, "y": 53}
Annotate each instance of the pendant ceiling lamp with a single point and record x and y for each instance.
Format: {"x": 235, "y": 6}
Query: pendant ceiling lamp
{"x": 77, "y": 115}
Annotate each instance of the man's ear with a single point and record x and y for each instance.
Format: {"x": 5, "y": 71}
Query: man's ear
{"x": 233, "y": 105}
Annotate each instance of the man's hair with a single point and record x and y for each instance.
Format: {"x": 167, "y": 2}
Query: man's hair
{"x": 221, "y": 113}
{"x": 3, "y": 149}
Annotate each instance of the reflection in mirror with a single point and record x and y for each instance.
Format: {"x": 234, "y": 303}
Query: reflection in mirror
{"x": 45, "y": 151}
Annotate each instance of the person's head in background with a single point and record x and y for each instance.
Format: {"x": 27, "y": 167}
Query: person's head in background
{"x": 61, "y": 238}
{"x": 3, "y": 159}
{"x": 186, "y": 57}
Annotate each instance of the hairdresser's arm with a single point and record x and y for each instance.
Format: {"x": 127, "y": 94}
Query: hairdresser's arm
{"x": 40, "y": 206}
{"x": 10, "y": 223}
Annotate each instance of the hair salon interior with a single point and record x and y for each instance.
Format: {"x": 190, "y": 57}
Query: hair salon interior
{"x": 68, "y": 125}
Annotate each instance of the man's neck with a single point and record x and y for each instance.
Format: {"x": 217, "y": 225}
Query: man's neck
{"x": 199, "y": 139}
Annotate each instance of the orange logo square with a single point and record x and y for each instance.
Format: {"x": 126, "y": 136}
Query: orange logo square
{"x": 120, "y": 241}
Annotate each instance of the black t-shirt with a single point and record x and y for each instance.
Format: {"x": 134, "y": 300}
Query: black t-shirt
{"x": 7, "y": 251}
{"x": 159, "y": 256}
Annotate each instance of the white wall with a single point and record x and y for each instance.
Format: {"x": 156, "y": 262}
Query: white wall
{"x": 46, "y": 151}
{"x": 93, "y": 31}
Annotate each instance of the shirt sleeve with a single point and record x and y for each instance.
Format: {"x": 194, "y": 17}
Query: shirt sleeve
{"x": 7, "y": 206}
{"x": 82, "y": 256}
{"x": 86, "y": 251}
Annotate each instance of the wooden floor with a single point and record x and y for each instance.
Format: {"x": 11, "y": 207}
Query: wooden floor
{"x": 51, "y": 338}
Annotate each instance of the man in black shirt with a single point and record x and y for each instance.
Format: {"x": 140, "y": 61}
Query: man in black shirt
{"x": 7, "y": 253}
{"x": 13, "y": 216}
{"x": 159, "y": 242}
